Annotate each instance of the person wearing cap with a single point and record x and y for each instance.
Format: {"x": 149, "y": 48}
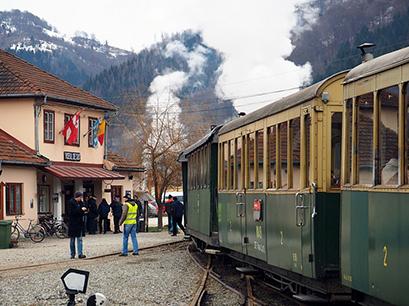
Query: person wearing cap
{"x": 103, "y": 212}
{"x": 167, "y": 205}
{"x": 129, "y": 219}
{"x": 116, "y": 209}
{"x": 77, "y": 210}
{"x": 177, "y": 211}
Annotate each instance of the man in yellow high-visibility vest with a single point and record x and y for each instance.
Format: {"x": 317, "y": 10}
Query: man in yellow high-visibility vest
{"x": 129, "y": 219}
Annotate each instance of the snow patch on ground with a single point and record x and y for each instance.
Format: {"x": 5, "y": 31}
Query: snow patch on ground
{"x": 41, "y": 46}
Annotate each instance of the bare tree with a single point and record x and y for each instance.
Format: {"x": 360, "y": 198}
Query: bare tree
{"x": 157, "y": 138}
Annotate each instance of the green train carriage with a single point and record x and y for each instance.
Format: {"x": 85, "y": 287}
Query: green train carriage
{"x": 279, "y": 186}
{"x": 199, "y": 173}
{"x": 375, "y": 179}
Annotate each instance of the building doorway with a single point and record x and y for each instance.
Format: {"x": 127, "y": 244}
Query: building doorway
{"x": 89, "y": 187}
{"x": 116, "y": 190}
{"x": 68, "y": 195}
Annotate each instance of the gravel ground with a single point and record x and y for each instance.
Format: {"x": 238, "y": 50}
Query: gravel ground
{"x": 54, "y": 249}
{"x": 219, "y": 295}
{"x": 165, "y": 276}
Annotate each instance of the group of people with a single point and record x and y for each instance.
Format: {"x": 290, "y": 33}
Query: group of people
{"x": 174, "y": 209}
{"x": 83, "y": 213}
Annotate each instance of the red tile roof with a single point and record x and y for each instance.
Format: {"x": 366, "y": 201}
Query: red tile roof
{"x": 19, "y": 78}
{"x": 121, "y": 163}
{"x": 82, "y": 172}
{"x": 12, "y": 151}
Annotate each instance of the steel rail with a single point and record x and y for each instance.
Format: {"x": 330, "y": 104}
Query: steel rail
{"x": 56, "y": 263}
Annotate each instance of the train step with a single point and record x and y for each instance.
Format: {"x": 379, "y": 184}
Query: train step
{"x": 247, "y": 270}
{"x": 309, "y": 298}
{"x": 212, "y": 251}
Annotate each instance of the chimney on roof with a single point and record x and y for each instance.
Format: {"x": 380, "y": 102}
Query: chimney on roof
{"x": 366, "y": 56}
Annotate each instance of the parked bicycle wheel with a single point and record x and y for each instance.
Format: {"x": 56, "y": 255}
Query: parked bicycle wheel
{"x": 15, "y": 233}
{"x": 37, "y": 234}
{"x": 61, "y": 231}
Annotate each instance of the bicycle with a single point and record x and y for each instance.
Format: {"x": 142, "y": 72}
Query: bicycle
{"x": 52, "y": 226}
{"x": 34, "y": 231}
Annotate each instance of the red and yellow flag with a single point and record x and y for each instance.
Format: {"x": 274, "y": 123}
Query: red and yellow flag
{"x": 101, "y": 132}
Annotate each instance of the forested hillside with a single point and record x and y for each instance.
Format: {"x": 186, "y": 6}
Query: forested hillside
{"x": 182, "y": 63}
{"x": 328, "y": 32}
{"x": 73, "y": 59}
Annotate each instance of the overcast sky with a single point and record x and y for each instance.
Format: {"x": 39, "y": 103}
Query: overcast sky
{"x": 253, "y": 35}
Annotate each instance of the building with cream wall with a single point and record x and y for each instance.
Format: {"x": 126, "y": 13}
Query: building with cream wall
{"x": 33, "y": 109}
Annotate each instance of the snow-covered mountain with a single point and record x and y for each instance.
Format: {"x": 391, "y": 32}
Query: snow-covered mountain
{"x": 74, "y": 59}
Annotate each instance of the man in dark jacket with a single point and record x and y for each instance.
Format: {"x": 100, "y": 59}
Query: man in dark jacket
{"x": 77, "y": 210}
{"x": 116, "y": 208}
{"x": 92, "y": 215}
{"x": 177, "y": 210}
{"x": 103, "y": 211}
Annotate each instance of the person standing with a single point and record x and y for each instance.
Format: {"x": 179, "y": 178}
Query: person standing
{"x": 116, "y": 208}
{"x": 92, "y": 215}
{"x": 168, "y": 205}
{"x": 103, "y": 211}
{"x": 77, "y": 210}
{"x": 129, "y": 218}
{"x": 177, "y": 211}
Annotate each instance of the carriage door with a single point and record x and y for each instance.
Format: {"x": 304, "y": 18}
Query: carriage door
{"x": 305, "y": 207}
{"x": 304, "y": 214}
{"x": 241, "y": 215}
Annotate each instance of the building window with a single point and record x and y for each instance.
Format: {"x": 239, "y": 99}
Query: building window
{"x": 44, "y": 199}
{"x": 365, "y": 139}
{"x": 14, "y": 199}
{"x": 91, "y": 131}
{"x": 49, "y": 126}
{"x": 388, "y": 135}
{"x": 67, "y": 117}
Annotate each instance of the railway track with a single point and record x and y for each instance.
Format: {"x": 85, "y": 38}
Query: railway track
{"x": 84, "y": 261}
{"x": 246, "y": 291}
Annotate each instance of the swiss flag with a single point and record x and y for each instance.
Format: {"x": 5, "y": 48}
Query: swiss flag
{"x": 70, "y": 130}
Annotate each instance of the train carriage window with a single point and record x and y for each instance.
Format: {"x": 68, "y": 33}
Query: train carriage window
{"x": 336, "y": 132}
{"x": 365, "y": 137}
{"x": 231, "y": 165}
{"x": 272, "y": 142}
{"x": 295, "y": 140}
{"x": 225, "y": 163}
{"x": 406, "y": 93}
{"x": 348, "y": 148}
{"x": 283, "y": 154}
{"x": 239, "y": 152}
{"x": 260, "y": 158}
{"x": 200, "y": 168}
{"x": 207, "y": 162}
{"x": 307, "y": 123}
{"x": 250, "y": 159}
{"x": 388, "y": 135}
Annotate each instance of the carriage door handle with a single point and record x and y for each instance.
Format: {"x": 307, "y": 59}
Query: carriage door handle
{"x": 299, "y": 209}
{"x": 239, "y": 204}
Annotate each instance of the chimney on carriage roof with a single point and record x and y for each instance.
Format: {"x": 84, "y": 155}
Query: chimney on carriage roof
{"x": 366, "y": 56}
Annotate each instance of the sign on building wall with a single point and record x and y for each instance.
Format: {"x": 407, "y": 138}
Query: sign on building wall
{"x": 72, "y": 156}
